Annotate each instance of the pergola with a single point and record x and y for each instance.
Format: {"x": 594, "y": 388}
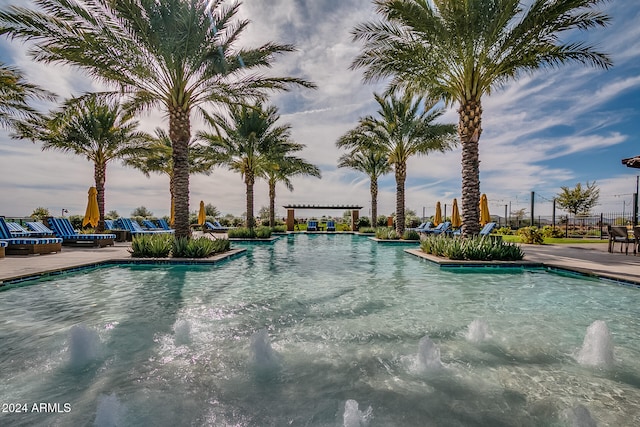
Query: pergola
{"x": 355, "y": 213}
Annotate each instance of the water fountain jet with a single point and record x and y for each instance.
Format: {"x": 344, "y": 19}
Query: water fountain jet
{"x": 428, "y": 355}
{"x": 477, "y": 331}
{"x": 597, "y": 347}
{"x": 353, "y": 416}
{"x": 84, "y": 346}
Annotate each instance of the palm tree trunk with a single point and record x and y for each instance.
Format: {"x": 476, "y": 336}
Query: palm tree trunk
{"x": 373, "y": 187}
{"x": 172, "y": 200}
{"x": 100, "y": 176}
{"x": 272, "y": 203}
{"x": 469, "y": 130}
{"x": 401, "y": 176}
{"x": 249, "y": 180}
{"x": 180, "y": 133}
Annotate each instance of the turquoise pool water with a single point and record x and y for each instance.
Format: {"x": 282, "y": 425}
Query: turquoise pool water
{"x": 289, "y": 333}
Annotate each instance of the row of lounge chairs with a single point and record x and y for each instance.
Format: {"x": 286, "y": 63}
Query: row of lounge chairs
{"x": 23, "y": 243}
{"x": 445, "y": 228}
{"x": 312, "y": 225}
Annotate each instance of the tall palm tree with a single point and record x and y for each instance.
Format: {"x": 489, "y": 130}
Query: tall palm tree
{"x": 371, "y": 162}
{"x": 15, "y": 95}
{"x": 244, "y": 143}
{"x": 404, "y": 127}
{"x": 282, "y": 166}
{"x": 91, "y": 127}
{"x": 178, "y": 55}
{"x": 157, "y": 157}
{"x": 460, "y": 51}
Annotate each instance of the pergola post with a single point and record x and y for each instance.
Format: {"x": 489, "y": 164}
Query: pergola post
{"x": 291, "y": 214}
{"x": 354, "y": 219}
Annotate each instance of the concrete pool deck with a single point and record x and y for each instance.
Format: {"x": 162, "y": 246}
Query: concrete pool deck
{"x": 589, "y": 258}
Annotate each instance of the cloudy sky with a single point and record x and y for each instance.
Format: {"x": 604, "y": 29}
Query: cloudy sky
{"x": 546, "y": 130}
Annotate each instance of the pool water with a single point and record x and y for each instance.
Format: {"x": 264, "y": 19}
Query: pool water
{"x": 317, "y": 330}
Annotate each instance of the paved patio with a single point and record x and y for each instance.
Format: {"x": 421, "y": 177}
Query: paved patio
{"x": 591, "y": 258}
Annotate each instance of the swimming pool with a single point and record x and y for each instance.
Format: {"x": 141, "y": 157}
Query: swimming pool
{"x": 303, "y": 331}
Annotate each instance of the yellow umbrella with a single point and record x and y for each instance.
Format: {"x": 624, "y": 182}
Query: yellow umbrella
{"x": 484, "y": 210}
{"x": 456, "y": 222}
{"x": 437, "y": 219}
{"x": 172, "y": 218}
{"x": 92, "y": 215}
{"x": 202, "y": 216}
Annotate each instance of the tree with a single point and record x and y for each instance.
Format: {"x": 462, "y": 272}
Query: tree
{"x": 404, "y": 127}
{"x": 112, "y": 215}
{"x": 578, "y": 201}
{"x": 15, "y": 96}
{"x": 94, "y": 128}
{"x": 245, "y": 143}
{"x": 211, "y": 210}
{"x": 460, "y": 51}
{"x": 178, "y": 55}
{"x": 158, "y": 158}
{"x": 40, "y": 213}
{"x": 366, "y": 160}
{"x": 142, "y": 211}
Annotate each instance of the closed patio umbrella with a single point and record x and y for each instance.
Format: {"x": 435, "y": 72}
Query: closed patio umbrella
{"x": 92, "y": 215}
{"x": 202, "y": 215}
{"x": 456, "y": 222}
{"x": 172, "y": 218}
{"x": 484, "y": 210}
{"x": 437, "y": 219}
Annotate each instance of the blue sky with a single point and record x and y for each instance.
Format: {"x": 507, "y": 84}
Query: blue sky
{"x": 549, "y": 129}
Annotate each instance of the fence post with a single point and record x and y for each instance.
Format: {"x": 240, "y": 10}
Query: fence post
{"x": 533, "y": 195}
{"x": 601, "y": 224}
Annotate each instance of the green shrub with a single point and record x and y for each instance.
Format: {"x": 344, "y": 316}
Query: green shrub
{"x": 505, "y": 231}
{"x": 411, "y": 235}
{"x": 386, "y": 233}
{"x": 550, "y": 231}
{"x": 151, "y": 246}
{"x": 279, "y": 229}
{"x": 368, "y": 230}
{"x": 531, "y": 235}
{"x": 248, "y": 233}
{"x": 477, "y": 249}
{"x": 363, "y": 222}
{"x": 201, "y": 247}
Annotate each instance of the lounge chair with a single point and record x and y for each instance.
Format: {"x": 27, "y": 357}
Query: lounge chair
{"x": 440, "y": 229}
{"x": 109, "y": 224}
{"x": 331, "y": 225}
{"x": 63, "y": 229}
{"x": 39, "y": 227}
{"x": 619, "y": 234}
{"x": 135, "y": 229}
{"x": 27, "y": 245}
{"x": 487, "y": 229}
{"x": 19, "y": 231}
{"x": 164, "y": 224}
{"x": 312, "y": 225}
{"x": 150, "y": 225}
{"x": 3, "y": 246}
{"x": 422, "y": 227}
{"x": 214, "y": 227}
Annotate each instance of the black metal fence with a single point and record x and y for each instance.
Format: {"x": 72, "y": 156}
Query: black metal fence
{"x": 592, "y": 226}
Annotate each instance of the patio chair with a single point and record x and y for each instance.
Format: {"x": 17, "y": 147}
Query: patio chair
{"x": 619, "y": 234}
{"x": 422, "y": 227}
{"x": 63, "y": 229}
{"x": 487, "y": 229}
{"x": 331, "y": 225}
{"x": 27, "y": 245}
{"x": 135, "y": 229}
{"x": 163, "y": 224}
{"x": 214, "y": 227}
{"x": 39, "y": 227}
{"x": 19, "y": 231}
{"x": 440, "y": 229}
{"x": 150, "y": 225}
{"x": 312, "y": 225}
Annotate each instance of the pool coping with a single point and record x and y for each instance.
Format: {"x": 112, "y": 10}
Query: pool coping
{"x": 215, "y": 259}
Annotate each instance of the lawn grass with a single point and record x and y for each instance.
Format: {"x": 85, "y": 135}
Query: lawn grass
{"x": 555, "y": 241}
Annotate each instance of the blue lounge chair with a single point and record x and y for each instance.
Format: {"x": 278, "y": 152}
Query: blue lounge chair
{"x": 18, "y": 231}
{"x": 331, "y": 225}
{"x": 109, "y": 224}
{"x": 312, "y": 225}
{"x": 164, "y": 224}
{"x": 487, "y": 229}
{"x": 214, "y": 227}
{"x": 63, "y": 229}
{"x": 422, "y": 227}
{"x": 27, "y": 245}
{"x": 440, "y": 229}
{"x": 135, "y": 229}
{"x": 150, "y": 225}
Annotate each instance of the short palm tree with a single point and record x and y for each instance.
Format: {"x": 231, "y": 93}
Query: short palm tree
{"x": 243, "y": 142}
{"x": 460, "y": 51}
{"x": 91, "y": 127}
{"x": 282, "y": 166}
{"x": 15, "y": 95}
{"x": 373, "y": 163}
{"x": 157, "y": 157}
{"x": 404, "y": 127}
{"x": 178, "y": 55}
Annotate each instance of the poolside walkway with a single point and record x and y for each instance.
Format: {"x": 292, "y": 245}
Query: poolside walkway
{"x": 591, "y": 258}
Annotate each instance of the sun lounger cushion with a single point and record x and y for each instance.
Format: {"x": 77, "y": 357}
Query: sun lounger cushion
{"x": 62, "y": 228}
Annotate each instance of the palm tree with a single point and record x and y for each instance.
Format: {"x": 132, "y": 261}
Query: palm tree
{"x": 15, "y": 95}
{"x": 461, "y": 50}
{"x": 94, "y": 128}
{"x": 371, "y": 162}
{"x": 282, "y": 166}
{"x": 244, "y": 143}
{"x": 157, "y": 157}
{"x": 404, "y": 127}
{"x": 174, "y": 54}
